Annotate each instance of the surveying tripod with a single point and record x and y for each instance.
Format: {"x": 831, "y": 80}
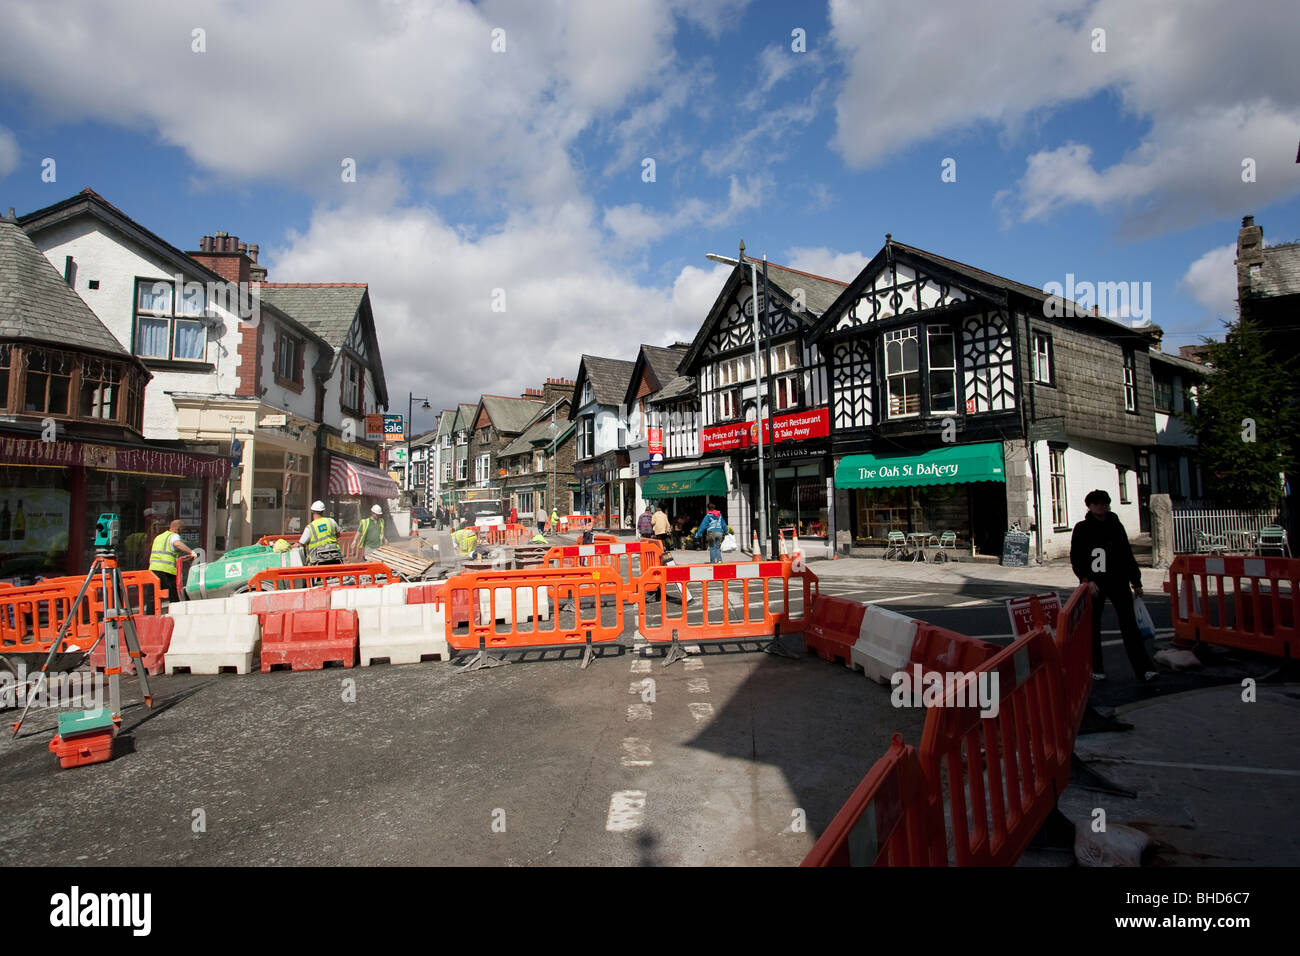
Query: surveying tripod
{"x": 117, "y": 624}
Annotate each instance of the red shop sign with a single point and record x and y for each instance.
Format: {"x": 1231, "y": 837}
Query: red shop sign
{"x": 798, "y": 426}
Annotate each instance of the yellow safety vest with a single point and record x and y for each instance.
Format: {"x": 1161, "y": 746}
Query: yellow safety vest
{"x": 324, "y": 531}
{"x": 363, "y": 532}
{"x": 161, "y": 556}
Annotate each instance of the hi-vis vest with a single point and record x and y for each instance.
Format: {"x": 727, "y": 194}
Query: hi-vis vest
{"x": 161, "y": 556}
{"x": 323, "y": 531}
{"x": 364, "y": 532}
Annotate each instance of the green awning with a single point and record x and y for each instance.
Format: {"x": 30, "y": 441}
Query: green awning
{"x": 688, "y": 481}
{"x": 943, "y": 466}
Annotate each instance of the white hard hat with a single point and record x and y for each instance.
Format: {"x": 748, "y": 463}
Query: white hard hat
{"x": 318, "y": 506}
{"x": 375, "y": 509}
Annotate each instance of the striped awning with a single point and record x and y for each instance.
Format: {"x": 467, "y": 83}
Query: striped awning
{"x": 347, "y": 478}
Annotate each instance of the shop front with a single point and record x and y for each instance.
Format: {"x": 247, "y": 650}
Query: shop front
{"x": 51, "y": 494}
{"x": 354, "y": 484}
{"x": 686, "y": 494}
{"x": 957, "y": 488}
{"x": 606, "y": 488}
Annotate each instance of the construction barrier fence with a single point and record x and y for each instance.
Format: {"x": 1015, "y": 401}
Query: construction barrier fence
{"x": 325, "y": 575}
{"x": 1241, "y": 602}
{"x": 629, "y": 561}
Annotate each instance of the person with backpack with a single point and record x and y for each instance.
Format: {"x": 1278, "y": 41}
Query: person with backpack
{"x": 645, "y": 525}
{"x": 320, "y": 539}
{"x": 712, "y": 528}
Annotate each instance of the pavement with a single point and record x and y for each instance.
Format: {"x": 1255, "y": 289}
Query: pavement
{"x": 733, "y": 757}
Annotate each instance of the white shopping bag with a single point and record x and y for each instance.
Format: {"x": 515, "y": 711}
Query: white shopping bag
{"x": 729, "y": 543}
{"x": 1146, "y": 627}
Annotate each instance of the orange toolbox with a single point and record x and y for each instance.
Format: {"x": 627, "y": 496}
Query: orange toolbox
{"x": 84, "y": 737}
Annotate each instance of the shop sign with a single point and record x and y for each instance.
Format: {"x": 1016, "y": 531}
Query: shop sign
{"x": 655, "y": 441}
{"x": 394, "y": 428}
{"x": 350, "y": 448}
{"x": 799, "y": 426}
{"x": 140, "y": 460}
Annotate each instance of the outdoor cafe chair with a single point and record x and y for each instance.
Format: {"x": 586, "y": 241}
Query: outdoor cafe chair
{"x": 945, "y": 546}
{"x": 1273, "y": 538}
{"x": 1210, "y": 543}
{"x": 897, "y": 545}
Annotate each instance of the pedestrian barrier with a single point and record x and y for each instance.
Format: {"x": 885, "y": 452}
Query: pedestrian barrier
{"x": 324, "y": 575}
{"x": 889, "y": 820}
{"x": 211, "y": 643}
{"x": 628, "y": 560}
{"x": 834, "y": 626}
{"x": 1002, "y": 774}
{"x": 155, "y": 636}
{"x": 30, "y": 619}
{"x": 723, "y": 602}
{"x": 402, "y": 635}
{"x": 1241, "y": 602}
{"x": 577, "y": 523}
{"x": 512, "y": 535}
{"x": 940, "y": 649}
{"x": 368, "y": 596}
{"x": 605, "y": 539}
{"x": 588, "y": 607}
{"x": 1074, "y": 641}
{"x": 886, "y": 644}
{"x": 309, "y": 640}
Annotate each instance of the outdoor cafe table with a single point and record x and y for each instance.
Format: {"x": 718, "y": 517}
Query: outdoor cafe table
{"x": 918, "y": 540}
{"x": 1240, "y": 541}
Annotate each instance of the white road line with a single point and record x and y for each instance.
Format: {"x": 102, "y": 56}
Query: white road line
{"x": 697, "y": 685}
{"x": 641, "y": 666}
{"x": 904, "y": 597}
{"x": 693, "y": 664}
{"x": 626, "y": 809}
{"x": 636, "y": 752}
{"x": 639, "y": 712}
{"x": 1270, "y": 771}
{"x": 701, "y": 711}
{"x": 971, "y": 603}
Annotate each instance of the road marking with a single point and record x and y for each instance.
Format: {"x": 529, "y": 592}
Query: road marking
{"x": 971, "y": 603}
{"x": 639, "y": 712}
{"x": 701, "y": 711}
{"x": 636, "y": 752}
{"x": 697, "y": 685}
{"x": 904, "y": 597}
{"x": 641, "y": 666}
{"x": 1269, "y": 771}
{"x": 693, "y": 664}
{"x": 626, "y": 808}
{"x": 1160, "y": 632}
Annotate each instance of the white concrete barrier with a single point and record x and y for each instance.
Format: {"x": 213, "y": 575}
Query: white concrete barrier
{"x": 884, "y": 643}
{"x": 404, "y": 634}
{"x": 204, "y": 606}
{"x": 205, "y": 643}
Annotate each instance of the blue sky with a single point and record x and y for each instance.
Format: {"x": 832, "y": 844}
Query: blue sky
{"x": 521, "y": 169}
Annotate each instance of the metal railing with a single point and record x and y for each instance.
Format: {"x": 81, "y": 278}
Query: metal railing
{"x": 1217, "y": 522}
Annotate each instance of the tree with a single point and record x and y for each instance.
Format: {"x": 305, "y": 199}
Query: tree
{"x": 1246, "y": 420}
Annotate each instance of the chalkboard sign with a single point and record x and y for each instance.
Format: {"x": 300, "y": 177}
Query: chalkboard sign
{"x": 1015, "y": 550}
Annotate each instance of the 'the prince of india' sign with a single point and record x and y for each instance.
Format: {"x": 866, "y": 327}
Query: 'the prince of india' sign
{"x": 799, "y": 426}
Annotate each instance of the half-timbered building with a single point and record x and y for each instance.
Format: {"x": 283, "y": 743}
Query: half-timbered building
{"x": 963, "y": 401}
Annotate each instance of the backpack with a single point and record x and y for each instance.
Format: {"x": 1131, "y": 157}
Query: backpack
{"x": 645, "y": 524}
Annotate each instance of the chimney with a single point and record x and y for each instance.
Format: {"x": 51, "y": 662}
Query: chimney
{"x": 225, "y": 255}
{"x": 1250, "y": 255}
{"x": 256, "y": 273}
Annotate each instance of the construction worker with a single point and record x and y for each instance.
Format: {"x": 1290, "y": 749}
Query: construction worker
{"x": 163, "y": 558}
{"x": 135, "y": 546}
{"x": 555, "y": 521}
{"x": 320, "y": 538}
{"x": 370, "y": 533}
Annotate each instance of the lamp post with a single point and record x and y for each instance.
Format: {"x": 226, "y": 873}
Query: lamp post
{"x": 763, "y": 529}
{"x": 410, "y": 407}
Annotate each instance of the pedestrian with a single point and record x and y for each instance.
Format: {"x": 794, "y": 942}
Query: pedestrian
{"x": 1102, "y": 559}
{"x": 370, "y": 534}
{"x": 540, "y": 517}
{"x": 712, "y": 528}
{"x": 659, "y": 527}
{"x": 164, "y": 560}
{"x": 514, "y": 515}
{"x": 320, "y": 539}
{"x": 645, "y": 525}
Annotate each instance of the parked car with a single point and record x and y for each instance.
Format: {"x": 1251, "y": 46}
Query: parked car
{"x": 423, "y": 517}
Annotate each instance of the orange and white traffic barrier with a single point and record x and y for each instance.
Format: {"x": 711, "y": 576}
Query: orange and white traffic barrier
{"x": 629, "y": 560}
{"x": 361, "y": 574}
{"x": 1242, "y": 602}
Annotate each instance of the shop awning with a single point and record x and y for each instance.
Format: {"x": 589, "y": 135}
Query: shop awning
{"x": 688, "y": 481}
{"x": 942, "y": 466}
{"x": 347, "y": 478}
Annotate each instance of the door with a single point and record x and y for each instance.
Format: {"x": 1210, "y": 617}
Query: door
{"x": 1144, "y": 492}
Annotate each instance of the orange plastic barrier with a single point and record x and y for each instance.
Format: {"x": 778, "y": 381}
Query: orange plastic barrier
{"x": 734, "y": 588}
{"x": 30, "y": 618}
{"x": 512, "y": 535}
{"x": 628, "y": 560}
{"x": 577, "y": 523}
{"x": 833, "y": 627}
{"x": 1002, "y": 775}
{"x": 535, "y": 607}
{"x": 308, "y": 640}
{"x": 1257, "y": 612}
{"x": 605, "y": 539}
{"x": 324, "y": 575}
{"x": 888, "y": 821}
{"x": 940, "y": 649}
{"x": 155, "y": 636}
{"x": 1074, "y": 641}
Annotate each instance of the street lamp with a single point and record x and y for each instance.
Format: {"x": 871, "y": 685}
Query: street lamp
{"x": 758, "y": 390}
{"x": 410, "y": 406}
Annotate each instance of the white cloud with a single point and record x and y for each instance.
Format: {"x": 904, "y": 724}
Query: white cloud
{"x": 633, "y": 225}
{"x": 8, "y": 152}
{"x": 821, "y": 261}
{"x": 1214, "y": 81}
{"x": 1212, "y": 281}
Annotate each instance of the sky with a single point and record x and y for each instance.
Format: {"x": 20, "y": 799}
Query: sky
{"x": 575, "y": 160}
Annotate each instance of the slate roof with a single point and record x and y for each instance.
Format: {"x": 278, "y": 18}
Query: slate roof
{"x": 446, "y": 420}
{"x": 327, "y": 308}
{"x": 819, "y": 291}
{"x": 1177, "y": 361}
{"x": 1280, "y": 272}
{"x": 510, "y": 416}
{"x": 663, "y": 361}
{"x": 37, "y": 305}
{"x": 680, "y": 388}
{"x": 608, "y": 377}
{"x": 538, "y": 431}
